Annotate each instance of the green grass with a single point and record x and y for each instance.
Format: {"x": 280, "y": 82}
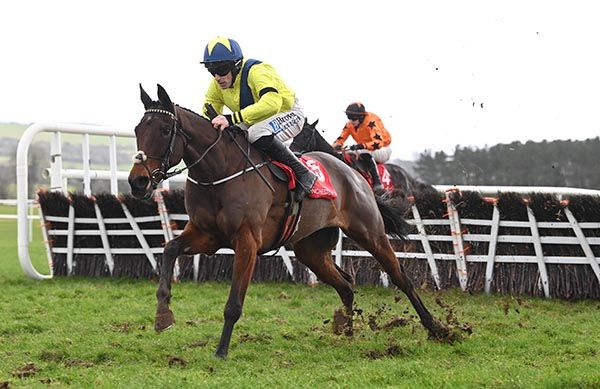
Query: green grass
{"x": 98, "y": 332}
{"x": 8, "y": 210}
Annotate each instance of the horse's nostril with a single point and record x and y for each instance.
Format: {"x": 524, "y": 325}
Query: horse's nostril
{"x": 139, "y": 182}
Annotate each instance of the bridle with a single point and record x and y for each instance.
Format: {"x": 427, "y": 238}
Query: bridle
{"x": 159, "y": 174}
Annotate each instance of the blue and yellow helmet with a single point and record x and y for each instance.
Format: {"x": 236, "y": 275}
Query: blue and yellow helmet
{"x": 222, "y": 49}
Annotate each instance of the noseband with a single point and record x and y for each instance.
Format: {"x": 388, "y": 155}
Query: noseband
{"x": 159, "y": 174}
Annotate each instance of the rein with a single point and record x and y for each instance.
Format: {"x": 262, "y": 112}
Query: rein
{"x": 212, "y": 113}
{"x": 159, "y": 174}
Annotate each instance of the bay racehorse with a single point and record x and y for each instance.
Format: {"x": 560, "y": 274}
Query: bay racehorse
{"x": 311, "y": 139}
{"x": 239, "y": 204}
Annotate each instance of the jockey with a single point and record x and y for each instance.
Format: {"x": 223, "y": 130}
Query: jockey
{"x": 371, "y": 137}
{"x": 260, "y": 102}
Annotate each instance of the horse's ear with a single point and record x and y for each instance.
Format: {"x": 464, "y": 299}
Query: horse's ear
{"x": 146, "y": 100}
{"x": 164, "y": 98}
{"x": 315, "y": 123}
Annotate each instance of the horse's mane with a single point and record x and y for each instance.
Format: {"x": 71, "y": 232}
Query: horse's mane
{"x": 189, "y": 110}
{"x": 159, "y": 104}
{"x": 233, "y": 130}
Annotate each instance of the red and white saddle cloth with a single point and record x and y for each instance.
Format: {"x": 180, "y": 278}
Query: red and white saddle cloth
{"x": 323, "y": 189}
{"x": 384, "y": 175}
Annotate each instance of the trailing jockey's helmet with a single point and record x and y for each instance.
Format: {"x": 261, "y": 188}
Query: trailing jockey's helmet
{"x": 356, "y": 111}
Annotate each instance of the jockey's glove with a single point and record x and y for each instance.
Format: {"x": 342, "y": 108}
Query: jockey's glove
{"x": 358, "y": 146}
{"x": 337, "y": 147}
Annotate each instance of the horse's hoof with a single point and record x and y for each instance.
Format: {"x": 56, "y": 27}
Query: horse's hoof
{"x": 349, "y": 330}
{"x": 442, "y": 333}
{"x": 342, "y": 323}
{"x": 164, "y": 321}
{"x": 222, "y": 354}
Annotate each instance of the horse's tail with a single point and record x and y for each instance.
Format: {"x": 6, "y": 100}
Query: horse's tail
{"x": 393, "y": 207}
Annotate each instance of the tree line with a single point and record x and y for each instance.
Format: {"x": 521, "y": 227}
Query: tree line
{"x": 556, "y": 163}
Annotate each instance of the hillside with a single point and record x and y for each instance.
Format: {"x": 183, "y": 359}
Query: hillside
{"x": 15, "y": 130}
{"x": 10, "y": 134}
{"x": 12, "y": 130}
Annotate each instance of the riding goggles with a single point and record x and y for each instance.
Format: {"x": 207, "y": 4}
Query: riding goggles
{"x": 221, "y": 69}
{"x": 354, "y": 117}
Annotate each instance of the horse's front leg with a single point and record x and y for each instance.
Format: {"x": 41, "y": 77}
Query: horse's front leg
{"x": 164, "y": 316}
{"x": 190, "y": 241}
{"x": 245, "y": 247}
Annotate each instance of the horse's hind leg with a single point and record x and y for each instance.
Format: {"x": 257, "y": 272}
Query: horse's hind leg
{"x": 378, "y": 244}
{"x": 315, "y": 252}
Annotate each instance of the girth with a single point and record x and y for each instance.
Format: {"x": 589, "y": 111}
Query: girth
{"x": 291, "y": 217}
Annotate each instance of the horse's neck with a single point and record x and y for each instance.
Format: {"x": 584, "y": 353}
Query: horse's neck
{"x": 224, "y": 157}
{"x": 322, "y": 145}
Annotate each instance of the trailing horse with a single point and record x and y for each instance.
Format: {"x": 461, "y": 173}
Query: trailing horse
{"x": 310, "y": 139}
{"x": 237, "y": 203}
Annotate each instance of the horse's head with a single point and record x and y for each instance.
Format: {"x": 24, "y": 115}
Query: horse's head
{"x": 306, "y": 141}
{"x": 160, "y": 142}
{"x": 311, "y": 139}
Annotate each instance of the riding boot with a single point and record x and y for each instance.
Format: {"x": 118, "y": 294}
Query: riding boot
{"x": 372, "y": 168}
{"x": 275, "y": 149}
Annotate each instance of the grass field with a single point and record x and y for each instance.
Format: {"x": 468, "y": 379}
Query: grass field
{"x": 98, "y": 332}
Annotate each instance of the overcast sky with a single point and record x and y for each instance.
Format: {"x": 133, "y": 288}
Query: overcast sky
{"x": 439, "y": 73}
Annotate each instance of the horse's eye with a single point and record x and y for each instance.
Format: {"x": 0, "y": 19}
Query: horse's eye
{"x": 165, "y": 130}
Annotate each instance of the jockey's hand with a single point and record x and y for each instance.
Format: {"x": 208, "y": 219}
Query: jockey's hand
{"x": 358, "y": 146}
{"x": 220, "y": 122}
{"x": 337, "y": 147}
